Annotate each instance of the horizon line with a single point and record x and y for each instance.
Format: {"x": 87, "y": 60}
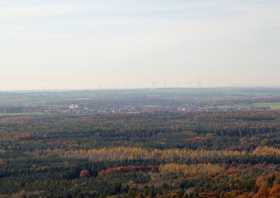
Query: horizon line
{"x": 139, "y": 88}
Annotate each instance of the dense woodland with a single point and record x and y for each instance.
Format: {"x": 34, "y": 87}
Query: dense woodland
{"x": 223, "y": 154}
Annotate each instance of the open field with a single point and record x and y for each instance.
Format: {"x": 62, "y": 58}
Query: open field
{"x": 272, "y": 105}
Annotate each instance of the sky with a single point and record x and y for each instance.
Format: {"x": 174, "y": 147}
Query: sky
{"x": 94, "y": 44}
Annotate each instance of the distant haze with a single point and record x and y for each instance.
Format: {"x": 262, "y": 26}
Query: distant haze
{"x": 90, "y": 44}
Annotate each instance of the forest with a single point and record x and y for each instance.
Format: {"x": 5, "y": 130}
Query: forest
{"x": 154, "y": 154}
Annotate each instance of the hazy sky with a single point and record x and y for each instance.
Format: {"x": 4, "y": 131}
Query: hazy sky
{"x": 88, "y": 44}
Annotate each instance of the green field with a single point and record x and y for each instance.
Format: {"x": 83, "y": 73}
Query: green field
{"x": 272, "y": 105}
